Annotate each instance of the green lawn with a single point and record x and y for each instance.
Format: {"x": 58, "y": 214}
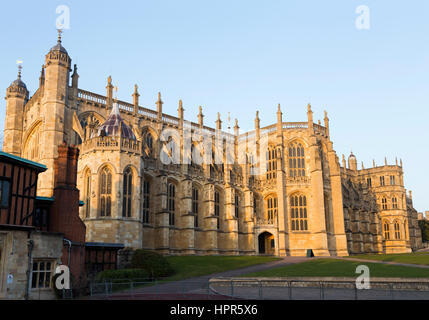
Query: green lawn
{"x": 341, "y": 268}
{"x": 421, "y": 258}
{"x": 194, "y": 266}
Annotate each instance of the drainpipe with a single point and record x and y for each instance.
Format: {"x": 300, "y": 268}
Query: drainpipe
{"x": 69, "y": 255}
{"x": 30, "y": 256}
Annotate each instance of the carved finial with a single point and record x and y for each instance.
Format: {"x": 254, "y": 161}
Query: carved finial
{"x": 116, "y": 93}
{"x": 257, "y": 114}
{"x": 159, "y": 96}
{"x": 385, "y": 161}
{"x": 229, "y": 120}
{"x": 180, "y": 104}
{"x": 201, "y": 116}
{"x": 309, "y": 107}
{"x": 109, "y": 80}
{"x": 279, "y": 108}
{"x": 326, "y": 114}
{"x": 136, "y": 89}
{"x": 373, "y": 163}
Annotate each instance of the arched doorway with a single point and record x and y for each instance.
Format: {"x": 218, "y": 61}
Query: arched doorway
{"x": 266, "y": 243}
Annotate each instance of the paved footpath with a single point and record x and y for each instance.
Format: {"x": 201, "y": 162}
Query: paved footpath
{"x": 201, "y": 283}
{"x": 199, "y": 286}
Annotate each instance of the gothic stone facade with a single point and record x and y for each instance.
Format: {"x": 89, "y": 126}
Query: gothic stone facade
{"x": 303, "y": 200}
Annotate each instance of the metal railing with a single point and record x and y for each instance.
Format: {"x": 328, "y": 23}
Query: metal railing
{"x": 317, "y": 290}
{"x": 147, "y": 289}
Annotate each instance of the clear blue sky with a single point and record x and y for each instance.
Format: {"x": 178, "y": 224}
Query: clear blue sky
{"x": 243, "y": 56}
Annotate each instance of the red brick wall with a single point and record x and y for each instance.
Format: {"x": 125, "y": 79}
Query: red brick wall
{"x": 64, "y": 213}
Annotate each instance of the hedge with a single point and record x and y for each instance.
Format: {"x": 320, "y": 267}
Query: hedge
{"x": 155, "y": 264}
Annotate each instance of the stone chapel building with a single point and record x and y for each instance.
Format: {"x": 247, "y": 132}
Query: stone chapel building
{"x": 289, "y": 194}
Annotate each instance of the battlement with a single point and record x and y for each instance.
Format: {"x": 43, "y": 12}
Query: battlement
{"x": 100, "y": 101}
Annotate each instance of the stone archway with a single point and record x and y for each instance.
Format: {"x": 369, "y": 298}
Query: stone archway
{"x": 266, "y": 243}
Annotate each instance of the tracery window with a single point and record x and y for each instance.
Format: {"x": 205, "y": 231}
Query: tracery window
{"x": 369, "y": 182}
{"x": 148, "y": 145}
{"x": 382, "y": 183}
{"x": 271, "y": 163}
{"x": 105, "y": 193}
{"x": 128, "y": 191}
{"x": 397, "y": 230}
{"x": 394, "y": 203}
{"x": 384, "y": 203}
{"x": 299, "y": 214}
{"x": 32, "y": 146}
{"x": 296, "y": 160}
{"x": 386, "y": 229}
{"x": 272, "y": 205}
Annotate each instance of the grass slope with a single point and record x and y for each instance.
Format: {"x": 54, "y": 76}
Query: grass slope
{"x": 341, "y": 268}
{"x": 194, "y": 266}
{"x": 411, "y": 258}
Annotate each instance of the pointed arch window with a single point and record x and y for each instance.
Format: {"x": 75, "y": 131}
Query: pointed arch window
{"x": 217, "y": 208}
{"x": 105, "y": 193}
{"x": 271, "y": 163}
{"x": 237, "y": 206}
{"x": 87, "y": 194}
{"x": 32, "y": 146}
{"x": 386, "y": 229}
{"x": 394, "y": 203}
{"x": 272, "y": 204}
{"x": 128, "y": 192}
{"x": 397, "y": 230}
{"x": 299, "y": 214}
{"x": 296, "y": 160}
{"x": 146, "y": 201}
{"x": 171, "y": 201}
{"x": 148, "y": 145}
{"x": 195, "y": 206}
{"x": 369, "y": 182}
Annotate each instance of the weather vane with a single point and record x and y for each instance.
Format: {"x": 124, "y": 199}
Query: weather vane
{"x": 60, "y": 32}
{"x": 19, "y": 63}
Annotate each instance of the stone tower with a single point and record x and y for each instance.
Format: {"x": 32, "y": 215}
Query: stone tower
{"x": 54, "y": 108}
{"x": 16, "y": 98}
